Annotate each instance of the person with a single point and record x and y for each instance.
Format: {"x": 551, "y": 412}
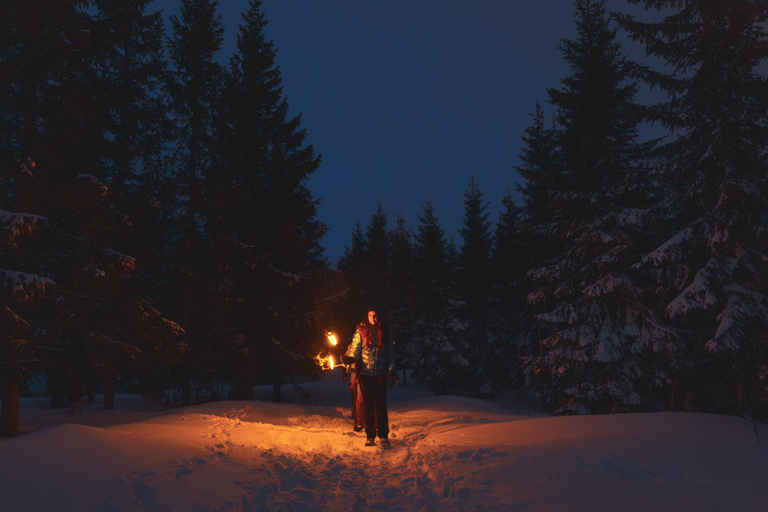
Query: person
{"x": 358, "y": 411}
{"x": 372, "y": 349}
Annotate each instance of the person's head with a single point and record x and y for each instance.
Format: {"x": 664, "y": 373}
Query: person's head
{"x": 373, "y": 317}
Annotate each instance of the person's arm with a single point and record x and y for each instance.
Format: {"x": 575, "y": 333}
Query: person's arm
{"x": 356, "y": 347}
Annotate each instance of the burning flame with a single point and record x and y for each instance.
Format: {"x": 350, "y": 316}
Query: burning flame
{"x": 324, "y": 362}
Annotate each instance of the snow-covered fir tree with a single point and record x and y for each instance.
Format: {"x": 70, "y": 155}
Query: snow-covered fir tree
{"x": 594, "y": 321}
{"x": 708, "y": 276}
{"x": 21, "y": 291}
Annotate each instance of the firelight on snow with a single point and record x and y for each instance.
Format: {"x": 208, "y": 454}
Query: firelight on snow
{"x": 448, "y": 453}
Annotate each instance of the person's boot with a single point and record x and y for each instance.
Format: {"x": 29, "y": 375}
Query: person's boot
{"x": 371, "y": 441}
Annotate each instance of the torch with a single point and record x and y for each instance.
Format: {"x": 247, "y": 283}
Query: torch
{"x": 332, "y": 338}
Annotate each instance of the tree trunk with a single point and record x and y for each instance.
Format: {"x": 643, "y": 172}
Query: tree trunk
{"x": 247, "y": 376}
{"x": 186, "y": 390}
{"x": 277, "y": 392}
{"x": 9, "y": 411}
{"x": 57, "y": 390}
{"x": 110, "y": 376}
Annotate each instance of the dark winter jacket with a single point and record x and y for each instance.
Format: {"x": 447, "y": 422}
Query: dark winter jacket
{"x": 377, "y": 356}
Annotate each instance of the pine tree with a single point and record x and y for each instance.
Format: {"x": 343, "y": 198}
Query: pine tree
{"x": 195, "y": 92}
{"x": 475, "y": 251}
{"x": 708, "y": 277}
{"x": 36, "y": 58}
{"x": 378, "y": 261}
{"x": 352, "y": 265}
{"x": 59, "y": 92}
{"x": 133, "y": 68}
{"x": 22, "y": 288}
{"x": 594, "y": 318}
{"x": 509, "y": 259}
{"x": 438, "y": 350}
{"x": 194, "y": 287}
{"x": 540, "y": 169}
{"x": 401, "y": 287}
{"x": 274, "y": 266}
{"x": 486, "y": 331}
{"x": 354, "y": 255}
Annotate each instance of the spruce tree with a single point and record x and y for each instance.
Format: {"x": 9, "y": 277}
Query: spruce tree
{"x": 540, "y": 169}
{"x": 378, "y": 270}
{"x": 594, "y": 320}
{"x": 708, "y": 276}
{"x": 486, "y": 330}
{"x": 475, "y": 251}
{"x": 354, "y": 254}
{"x": 509, "y": 257}
{"x": 263, "y": 215}
{"x": 22, "y": 289}
{"x": 438, "y": 350}
{"x": 401, "y": 287}
{"x": 133, "y": 69}
{"x": 195, "y": 93}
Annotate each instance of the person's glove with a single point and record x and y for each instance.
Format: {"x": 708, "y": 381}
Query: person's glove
{"x": 390, "y": 380}
{"x": 345, "y": 359}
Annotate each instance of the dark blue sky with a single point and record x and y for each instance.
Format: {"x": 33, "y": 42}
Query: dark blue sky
{"x": 406, "y": 99}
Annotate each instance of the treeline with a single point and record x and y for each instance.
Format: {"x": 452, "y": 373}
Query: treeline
{"x": 157, "y": 233}
{"x": 633, "y": 275}
{"x": 158, "y": 236}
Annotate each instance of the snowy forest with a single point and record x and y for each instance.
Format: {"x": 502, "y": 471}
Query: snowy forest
{"x": 159, "y": 238}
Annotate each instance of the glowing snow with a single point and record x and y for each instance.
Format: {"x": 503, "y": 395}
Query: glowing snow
{"x": 449, "y": 453}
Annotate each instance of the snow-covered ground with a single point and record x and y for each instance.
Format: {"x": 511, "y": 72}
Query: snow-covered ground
{"x": 448, "y": 453}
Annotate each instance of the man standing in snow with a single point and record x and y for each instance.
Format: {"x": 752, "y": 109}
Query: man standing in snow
{"x": 372, "y": 348}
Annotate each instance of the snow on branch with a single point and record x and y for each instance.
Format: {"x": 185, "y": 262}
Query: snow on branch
{"x": 563, "y": 314}
{"x": 700, "y": 294}
{"x": 23, "y": 285}
{"x": 737, "y": 191}
{"x": 670, "y": 251}
{"x": 10, "y": 322}
{"x": 295, "y": 278}
{"x": 612, "y": 284}
{"x": 632, "y": 217}
{"x": 94, "y": 184}
{"x": 125, "y": 261}
{"x": 15, "y": 225}
{"x": 744, "y": 309}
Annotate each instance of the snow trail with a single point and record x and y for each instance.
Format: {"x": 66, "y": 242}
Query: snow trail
{"x": 448, "y": 453}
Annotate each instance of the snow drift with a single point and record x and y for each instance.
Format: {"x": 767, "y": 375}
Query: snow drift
{"x": 449, "y": 453}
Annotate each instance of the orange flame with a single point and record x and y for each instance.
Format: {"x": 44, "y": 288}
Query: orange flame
{"x": 331, "y": 338}
{"x": 324, "y": 362}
